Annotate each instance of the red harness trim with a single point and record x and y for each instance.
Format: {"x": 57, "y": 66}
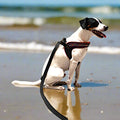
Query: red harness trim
{"x": 68, "y": 47}
{"x": 74, "y": 45}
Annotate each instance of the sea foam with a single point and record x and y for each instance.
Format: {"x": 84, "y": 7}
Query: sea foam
{"x": 21, "y": 21}
{"x": 104, "y": 50}
{"x": 47, "y": 48}
{"x": 25, "y": 47}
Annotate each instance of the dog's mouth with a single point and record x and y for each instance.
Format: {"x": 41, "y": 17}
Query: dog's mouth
{"x": 99, "y": 34}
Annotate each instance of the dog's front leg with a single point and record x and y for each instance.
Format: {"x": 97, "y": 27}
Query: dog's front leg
{"x": 72, "y": 67}
{"x": 77, "y": 73}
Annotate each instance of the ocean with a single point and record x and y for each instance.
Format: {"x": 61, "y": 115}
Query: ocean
{"x": 46, "y": 14}
{"x": 48, "y": 8}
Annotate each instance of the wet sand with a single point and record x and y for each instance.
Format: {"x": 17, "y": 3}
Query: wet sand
{"x": 98, "y": 99}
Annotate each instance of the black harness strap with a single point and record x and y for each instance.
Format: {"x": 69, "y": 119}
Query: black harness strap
{"x": 68, "y": 47}
{"x": 50, "y": 107}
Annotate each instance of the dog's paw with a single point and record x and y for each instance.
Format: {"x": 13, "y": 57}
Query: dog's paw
{"x": 71, "y": 89}
{"x": 61, "y": 88}
{"x": 77, "y": 85}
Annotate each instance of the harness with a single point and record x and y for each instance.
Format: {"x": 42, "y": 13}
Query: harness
{"x": 68, "y": 47}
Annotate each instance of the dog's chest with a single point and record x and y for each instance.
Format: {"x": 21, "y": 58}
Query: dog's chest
{"x": 79, "y": 54}
{"x": 61, "y": 60}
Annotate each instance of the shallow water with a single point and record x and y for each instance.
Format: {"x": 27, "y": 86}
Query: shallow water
{"x": 49, "y": 34}
{"x": 43, "y": 38}
{"x": 99, "y": 97}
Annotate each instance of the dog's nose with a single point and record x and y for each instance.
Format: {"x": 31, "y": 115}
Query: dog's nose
{"x": 105, "y": 28}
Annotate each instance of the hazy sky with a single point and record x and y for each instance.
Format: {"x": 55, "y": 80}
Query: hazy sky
{"x": 60, "y": 2}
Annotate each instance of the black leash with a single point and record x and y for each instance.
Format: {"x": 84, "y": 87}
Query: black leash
{"x": 68, "y": 47}
{"x": 50, "y": 107}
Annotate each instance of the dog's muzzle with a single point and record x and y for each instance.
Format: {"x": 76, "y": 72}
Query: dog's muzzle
{"x": 105, "y": 28}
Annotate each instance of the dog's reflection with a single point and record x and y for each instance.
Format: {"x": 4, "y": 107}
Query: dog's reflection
{"x": 63, "y": 103}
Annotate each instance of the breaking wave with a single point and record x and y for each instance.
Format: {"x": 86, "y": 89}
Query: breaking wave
{"x": 11, "y": 15}
{"x": 25, "y": 47}
{"x": 35, "y": 47}
{"x": 21, "y": 21}
{"x": 104, "y": 50}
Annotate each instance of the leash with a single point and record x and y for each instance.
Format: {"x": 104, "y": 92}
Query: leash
{"x": 68, "y": 47}
{"x": 50, "y": 107}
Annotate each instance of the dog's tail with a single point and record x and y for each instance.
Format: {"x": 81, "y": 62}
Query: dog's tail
{"x": 18, "y": 83}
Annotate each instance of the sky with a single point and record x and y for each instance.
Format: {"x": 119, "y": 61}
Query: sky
{"x": 60, "y": 2}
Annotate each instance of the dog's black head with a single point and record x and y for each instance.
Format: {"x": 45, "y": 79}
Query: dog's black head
{"x": 94, "y": 25}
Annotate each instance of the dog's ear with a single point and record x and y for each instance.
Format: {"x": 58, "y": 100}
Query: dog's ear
{"x": 84, "y": 23}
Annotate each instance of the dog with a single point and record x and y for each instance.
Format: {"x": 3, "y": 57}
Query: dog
{"x": 61, "y": 63}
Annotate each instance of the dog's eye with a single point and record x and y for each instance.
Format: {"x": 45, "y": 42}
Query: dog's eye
{"x": 95, "y": 24}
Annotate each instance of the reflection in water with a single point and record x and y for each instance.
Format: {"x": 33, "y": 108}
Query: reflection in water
{"x": 63, "y": 103}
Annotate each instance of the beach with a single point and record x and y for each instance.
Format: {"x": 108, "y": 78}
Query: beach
{"x": 97, "y": 99}
{"x": 29, "y": 31}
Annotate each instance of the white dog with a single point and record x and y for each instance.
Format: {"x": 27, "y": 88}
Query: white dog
{"x": 79, "y": 41}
